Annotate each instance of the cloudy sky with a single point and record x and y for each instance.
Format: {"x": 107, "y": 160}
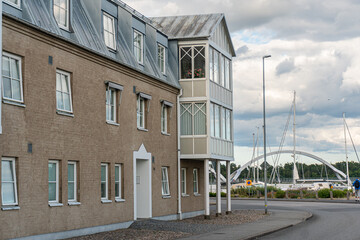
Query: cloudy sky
{"x": 315, "y": 48}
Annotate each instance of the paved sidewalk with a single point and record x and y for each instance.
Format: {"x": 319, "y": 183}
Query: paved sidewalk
{"x": 276, "y": 221}
{"x": 325, "y": 200}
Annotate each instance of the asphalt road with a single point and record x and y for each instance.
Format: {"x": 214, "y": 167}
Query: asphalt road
{"x": 329, "y": 221}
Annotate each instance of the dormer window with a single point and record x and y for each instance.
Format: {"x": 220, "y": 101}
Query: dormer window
{"x": 139, "y": 46}
{"x": 109, "y": 31}
{"x": 15, "y": 3}
{"x": 161, "y": 58}
{"x": 61, "y": 13}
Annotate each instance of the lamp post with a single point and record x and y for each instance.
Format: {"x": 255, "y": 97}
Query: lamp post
{"x": 265, "y": 168}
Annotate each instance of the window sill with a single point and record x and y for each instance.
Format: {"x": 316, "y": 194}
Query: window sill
{"x": 19, "y": 104}
{"x": 112, "y": 49}
{"x": 166, "y": 196}
{"x": 59, "y": 112}
{"x": 119, "y": 200}
{"x": 166, "y": 134}
{"x": 112, "y": 123}
{"x": 9, "y": 208}
{"x": 74, "y": 203}
{"x": 142, "y": 129}
{"x": 106, "y": 201}
{"x": 197, "y": 194}
{"x": 56, "y": 204}
{"x": 185, "y": 195}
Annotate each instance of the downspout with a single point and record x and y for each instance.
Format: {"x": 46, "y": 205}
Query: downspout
{"x": 0, "y": 63}
{"x": 178, "y": 153}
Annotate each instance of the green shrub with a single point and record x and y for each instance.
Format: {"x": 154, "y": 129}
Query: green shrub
{"x": 294, "y": 194}
{"x": 339, "y": 194}
{"x": 324, "y": 193}
{"x": 223, "y": 194}
{"x": 212, "y": 194}
{"x": 280, "y": 194}
{"x": 309, "y": 194}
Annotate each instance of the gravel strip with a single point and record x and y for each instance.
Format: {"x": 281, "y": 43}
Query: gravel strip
{"x": 151, "y": 229}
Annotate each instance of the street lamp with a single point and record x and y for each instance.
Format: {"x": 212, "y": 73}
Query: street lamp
{"x": 265, "y": 169}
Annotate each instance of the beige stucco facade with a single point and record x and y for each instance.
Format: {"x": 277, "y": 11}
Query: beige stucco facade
{"x": 85, "y": 138}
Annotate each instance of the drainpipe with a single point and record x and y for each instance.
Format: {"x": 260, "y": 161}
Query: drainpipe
{"x": 178, "y": 154}
{"x": 0, "y": 62}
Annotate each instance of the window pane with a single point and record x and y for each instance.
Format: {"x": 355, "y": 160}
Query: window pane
{"x": 185, "y": 63}
{"x": 66, "y": 98}
{"x": 211, "y": 62}
{"x": 8, "y": 193}
{"x": 227, "y": 73}
{"x": 228, "y": 124}
{"x": 16, "y": 90}
{"x": 117, "y": 190}
{"x": 212, "y": 123}
{"x": 58, "y": 82}
{"x": 7, "y": 171}
{"x": 223, "y": 123}
{"x": 71, "y": 189}
{"x": 6, "y": 67}
{"x": 59, "y": 100}
{"x": 216, "y": 66}
{"x": 15, "y": 69}
{"x": 117, "y": 169}
{"x": 71, "y": 172}
{"x": 217, "y": 121}
{"x": 200, "y": 119}
{"x": 64, "y": 83}
{"x": 103, "y": 190}
{"x": 7, "y": 87}
{"x": 222, "y": 70}
{"x": 103, "y": 173}
{"x": 52, "y": 191}
{"x": 199, "y": 62}
{"x": 52, "y": 171}
{"x": 186, "y": 119}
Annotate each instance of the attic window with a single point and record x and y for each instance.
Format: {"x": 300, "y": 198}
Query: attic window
{"x": 61, "y": 13}
{"x": 109, "y": 31}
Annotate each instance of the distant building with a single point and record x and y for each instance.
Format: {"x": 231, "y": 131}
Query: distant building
{"x": 90, "y": 106}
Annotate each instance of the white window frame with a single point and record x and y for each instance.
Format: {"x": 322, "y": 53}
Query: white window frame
{"x": 56, "y": 181}
{"x": 141, "y": 106}
{"x": 196, "y": 181}
{"x": 192, "y": 53}
{"x": 193, "y": 109}
{"x": 111, "y": 31}
{"x": 183, "y": 181}
{"x": 67, "y": 74}
{"x": 106, "y": 181}
{"x": 119, "y": 182}
{"x": 14, "y": 182}
{"x": 14, "y": 4}
{"x": 162, "y": 58}
{"x": 110, "y": 91}
{"x": 141, "y": 60}
{"x": 67, "y": 10}
{"x": 165, "y": 180}
{"x": 17, "y": 58}
{"x": 75, "y": 181}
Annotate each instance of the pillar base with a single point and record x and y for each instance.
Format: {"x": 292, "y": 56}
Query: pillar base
{"x": 228, "y": 212}
{"x": 218, "y": 214}
{"x": 207, "y": 217}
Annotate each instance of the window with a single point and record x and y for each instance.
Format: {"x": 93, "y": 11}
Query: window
{"x": 118, "y": 181}
{"x": 139, "y": 46}
{"x": 216, "y": 67}
{"x": 219, "y": 68}
{"x": 220, "y": 120}
{"x": 165, "y": 181}
{"x": 227, "y": 73}
{"x": 193, "y": 118}
{"x": 141, "y": 112}
{"x": 161, "y": 58}
{"x": 72, "y": 182}
{"x": 222, "y": 70}
{"x": 109, "y": 31}
{"x": 63, "y": 91}
{"x": 192, "y": 62}
{"x": 142, "y": 100}
{"x": 15, "y": 3}
{"x": 104, "y": 181}
{"x": 12, "y": 79}
{"x": 53, "y": 181}
{"x": 211, "y": 63}
{"x": 183, "y": 181}
{"x": 61, "y": 13}
{"x": 110, "y": 105}
{"x": 8, "y": 182}
{"x": 195, "y": 181}
{"x": 165, "y": 115}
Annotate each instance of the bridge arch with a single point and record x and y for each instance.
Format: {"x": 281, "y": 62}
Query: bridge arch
{"x": 339, "y": 174}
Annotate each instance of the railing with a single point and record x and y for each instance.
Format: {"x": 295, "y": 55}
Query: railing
{"x": 221, "y": 147}
{"x": 221, "y": 94}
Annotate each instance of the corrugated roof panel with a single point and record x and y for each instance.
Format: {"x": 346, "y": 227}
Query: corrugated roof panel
{"x": 194, "y": 26}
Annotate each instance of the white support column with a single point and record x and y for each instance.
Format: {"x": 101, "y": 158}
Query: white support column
{"x": 228, "y": 192}
{"x": 206, "y": 189}
{"x": 218, "y": 189}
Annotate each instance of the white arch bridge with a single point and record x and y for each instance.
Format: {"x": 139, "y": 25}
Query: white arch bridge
{"x": 339, "y": 174}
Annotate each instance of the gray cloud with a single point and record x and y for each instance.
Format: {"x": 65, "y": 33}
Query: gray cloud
{"x": 242, "y": 50}
{"x": 285, "y": 66}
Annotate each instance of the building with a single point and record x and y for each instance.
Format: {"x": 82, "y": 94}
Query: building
{"x": 92, "y": 94}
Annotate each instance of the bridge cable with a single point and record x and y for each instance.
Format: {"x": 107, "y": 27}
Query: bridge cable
{"x": 351, "y": 140}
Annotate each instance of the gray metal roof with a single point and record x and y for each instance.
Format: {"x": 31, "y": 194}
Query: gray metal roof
{"x": 84, "y": 33}
{"x": 190, "y": 26}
